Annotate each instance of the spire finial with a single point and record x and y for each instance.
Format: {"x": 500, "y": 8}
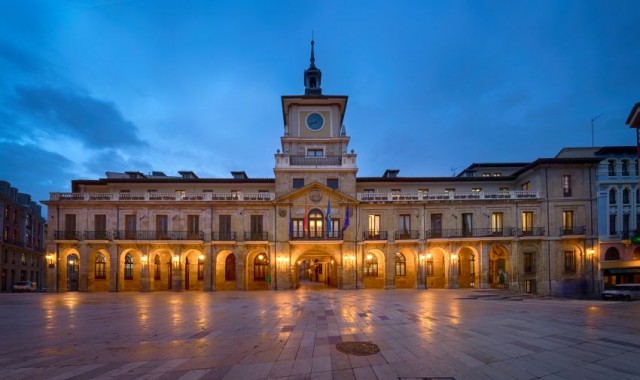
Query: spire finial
{"x": 313, "y": 58}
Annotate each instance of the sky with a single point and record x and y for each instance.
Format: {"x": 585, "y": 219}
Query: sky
{"x": 90, "y": 86}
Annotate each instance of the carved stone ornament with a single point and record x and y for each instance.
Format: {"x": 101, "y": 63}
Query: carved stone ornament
{"x": 315, "y": 196}
{"x": 282, "y": 212}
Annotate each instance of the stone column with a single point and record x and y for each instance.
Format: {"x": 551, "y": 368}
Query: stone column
{"x": 421, "y": 262}
{"x": 241, "y": 263}
{"x": 389, "y": 260}
{"x": 484, "y": 266}
{"x": 113, "y": 267}
{"x": 83, "y": 276}
{"x": 210, "y": 268}
{"x": 51, "y": 266}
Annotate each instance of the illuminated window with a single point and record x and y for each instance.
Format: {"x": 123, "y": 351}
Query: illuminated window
{"x": 371, "y": 266}
{"x": 260, "y": 267}
{"x": 526, "y": 186}
{"x": 401, "y": 265}
{"x": 200, "y": 268}
{"x": 566, "y": 185}
{"x": 128, "y": 267}
{"x": 527, "y": 222}
{"x": 157, "y": 270}
{"x": 529, "y": 262}
{"x": 472, "y": 264}
{"x": 567, "y": 222}
{"x": 230, "y": 268}
{"x": 496, "y": 222}
{"x": 101, "y": 267}
{"x": 569, "y": 261}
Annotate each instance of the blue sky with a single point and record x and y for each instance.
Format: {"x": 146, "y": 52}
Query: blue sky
{"x": 93, "y": 86}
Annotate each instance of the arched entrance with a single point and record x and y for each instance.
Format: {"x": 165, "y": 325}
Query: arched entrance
{"x": 435, "y": 269}
{"x": 373, "y": 269}
{"x": 101, "y": 271}
{"x": 467, "y": 260}
{"x": 73, "y": 271}
{"x": 498, "y": 265}
{"x": 226, "y": 271}
{"x": 315, "y": 269}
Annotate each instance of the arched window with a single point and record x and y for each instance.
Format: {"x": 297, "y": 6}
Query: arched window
{"x": 260, "y": 267}
{"x": 157, "y": 273}
{"x": 230, "y": 268}
{"x": 128, "y": 267}
{"x": 101, "y": 267}
{"x": 612, "y": 196}
{"x": 430, "y": 269}
{"x": 612, "y": 254}
{"x": 625, "y": 196}
{"x": 401, "y": 265}
{"x": 316, "y": 223}
{"x": 371, "y": 265}
{"x": 201, "y": 267}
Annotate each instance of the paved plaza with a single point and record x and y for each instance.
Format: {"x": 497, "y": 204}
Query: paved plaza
{"x": 461, "y": 334}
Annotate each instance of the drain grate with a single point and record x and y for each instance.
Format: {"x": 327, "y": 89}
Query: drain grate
{"x": 358, "y": 348}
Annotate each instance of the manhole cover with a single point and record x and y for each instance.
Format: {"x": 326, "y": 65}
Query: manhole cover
{"x": 358, "y": 348}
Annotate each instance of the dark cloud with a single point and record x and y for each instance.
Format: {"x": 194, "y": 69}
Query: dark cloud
{"x": 35, "y": 171}
{"x": 95, "y": 122}
{"x": 21, "y": 59}
{"x": 112, "y": 160}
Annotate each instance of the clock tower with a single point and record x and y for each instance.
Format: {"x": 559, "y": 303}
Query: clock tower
{"x": 314, "y": 144}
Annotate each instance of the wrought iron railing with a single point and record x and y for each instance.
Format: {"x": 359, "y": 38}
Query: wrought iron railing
{"x": 445, "y": 196}
{"x": 256, "y": 236}
{"x": 156, "y": 196}
{"x": 406, "y": 235}
{"x": 531, "y": 231}
{"x": 573, "y": 230}
{"x": 315, "y": 235}
{"x": 374, "y": 235}
{"x": 158, "y": 235}
{"x": 223, "y": 236}
{"x": 67, "y": 235}
{"x": 97, "y": 235}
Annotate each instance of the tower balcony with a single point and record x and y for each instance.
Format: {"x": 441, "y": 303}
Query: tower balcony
{"x": 285, "y": 161}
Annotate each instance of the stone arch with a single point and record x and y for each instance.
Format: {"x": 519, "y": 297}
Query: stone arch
{"x": 373, "y": 269}
{"x": 410, "y": 276}
{"x": 467, "y": 267}
{"x": 64, "y": 282}
{"x": 499, "y": 266}
{"x": 315, "y": 265}
{"x": 99, "y": 273}
{"x": 224, "y": 282}
{"x": 612, "y": 254}
{"x": 160, "y": 269}
{"x": 258, "y": 259}
{"x": 193, "y": 269}
{"x": 129, "y": 284}
{"x": 436, "y": 267}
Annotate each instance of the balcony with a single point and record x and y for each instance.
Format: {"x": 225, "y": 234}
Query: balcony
{"x": 67, "y": 235}
{"x": 406, "y": 235}
{"x": 223, "y": 236}
{"x": 315, "y": 235}
{"x": 158, "y": 235}
{"x": 256, "y": 236}
{"x": 97, "y": 235}
{"x": 374, "y": 235}
{"x": 315, "y": 161}
{"x": 572, "y": 230}
{"x": 446, "y": 196}
{"x": 161, "y": 197}
{"x": 469, "y": 233}
{"x": 532, "y": 231}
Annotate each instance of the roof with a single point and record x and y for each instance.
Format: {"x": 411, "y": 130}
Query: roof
{"x": 608, "y": 150}
{"x": 633, "y": 120}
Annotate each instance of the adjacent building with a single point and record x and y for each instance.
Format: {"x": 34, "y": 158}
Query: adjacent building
{"x": 527, "y": 226}
{"x": 23, "y": 237}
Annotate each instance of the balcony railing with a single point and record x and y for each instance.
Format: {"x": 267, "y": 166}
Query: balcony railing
{"x": 406, "y": 235}
{"x": 256, "y": 236}
{"x": 471, "y": 232}
{"x": 532, "y": 231}
{"x": 158, "y": 235}
{"x": 67, "y": 235}
{"x": 97, "y": 235}
{"x": 447, "y": 196}
{"x": 223, "y": 236}
{"x": 573, "y": 230}
{"x": 155, "y": 196}
{"x": 315, "y": 235}
{"x": 374, "y": 235}
{"x": 315, "y": 161}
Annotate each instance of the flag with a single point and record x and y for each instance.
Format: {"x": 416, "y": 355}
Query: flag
{"x": 329, "y": 217}
{"x": 346, "y": 220}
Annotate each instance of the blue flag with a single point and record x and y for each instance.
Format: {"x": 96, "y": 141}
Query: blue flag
{"x": 346, "y": 220}
{"x": 329, "y": 217}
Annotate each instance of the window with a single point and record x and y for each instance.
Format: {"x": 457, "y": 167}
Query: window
{"x": 333, "y": 183}
{"x": 298, "y": 183}
{"x": 612, "y": 196}
{"x": 527, "y": 222}
{"x": 486, "y": 174}
{"x": 181, "y": 194}
{"x": 260, "y": 267}
{"x": 23, "y": 258}
{"x": 566, "y": 185}
{"x": 235, "y": 194}
{"x": 472, "y": 264}
{"x": 128, "y": 267}
{"x": 526, "y": 186}
{"x": 496, "y": 222}
{"x": 130, "y": 226}
{"x": 201, "y": 268}
{"x": 369, "y": 191}
{"x": 467, "y": 224}
{"x": 612, "y": 254}
{"x": 450, "y": 190}
{"x": 436, "y": 225}
{"x": 476, "y": 189}
{"x": 374, "y": 226}
{"x": 256, "y": 227}
{"x": 497, "y": 175}
{"x": 371, "y": 265}
{"x": 315, "y": 152}
{"x": 401, "y": 264}
{"x": 100, "y": 226}
{"x": 162, "y": 227}
{"x": 157, "y": 270}
{"x": 612, "y": 224}
{"x": 567, "y": 222}
{"x": 625, "y": 196}
{"x": 504, "y": 189}
{"x": 625, "y": 226}
{"x": 335, "y": 229}
{"x": 529, "y": 262}
{"x": 224, "y": 224}
{"x": 69, "y": 227}
{"x": 230, "y": 268}
{"x": 193, "y": 227}
{"x": 569, "y": 261}
{"x": 611, "y": 166}
{"x": 625, "y": 168}
{"x": 297, "y": 228}
{"x": 430, "y": 267}
{"x": 101, "y": 267}
{"x": 404, "y": 225}
{"x": 316, "y": 223}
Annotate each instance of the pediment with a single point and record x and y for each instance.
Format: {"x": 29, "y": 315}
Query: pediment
{"x": 315, "y": 194}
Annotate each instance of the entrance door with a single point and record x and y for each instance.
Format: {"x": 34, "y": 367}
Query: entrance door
{"x": 316, "y": 223}
{"x": 73, "y": 264}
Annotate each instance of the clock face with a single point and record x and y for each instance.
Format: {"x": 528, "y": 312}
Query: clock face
{"x": 315, "y": 121}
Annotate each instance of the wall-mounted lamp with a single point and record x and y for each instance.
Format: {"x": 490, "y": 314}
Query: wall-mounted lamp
{"x": 422, "y": 257}
{"x": 176, "y": 261}
{"x": 590, "y": 251}
{"x": 454, "y": 256}
{"x": 201, "y": 257}
{"x": 429, "y": 256}
{"x": 145, "y": 260}
{"x": 50, "y": 260}
{"x": 369, "y": 256}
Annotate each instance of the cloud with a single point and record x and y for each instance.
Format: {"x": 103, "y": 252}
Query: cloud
{"x": 74, "y": 113}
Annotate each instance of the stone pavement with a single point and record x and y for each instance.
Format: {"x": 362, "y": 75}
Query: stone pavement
{"x": 461, "y": 334}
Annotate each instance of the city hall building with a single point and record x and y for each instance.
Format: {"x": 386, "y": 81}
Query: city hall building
{"x": 528, "y": 226}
